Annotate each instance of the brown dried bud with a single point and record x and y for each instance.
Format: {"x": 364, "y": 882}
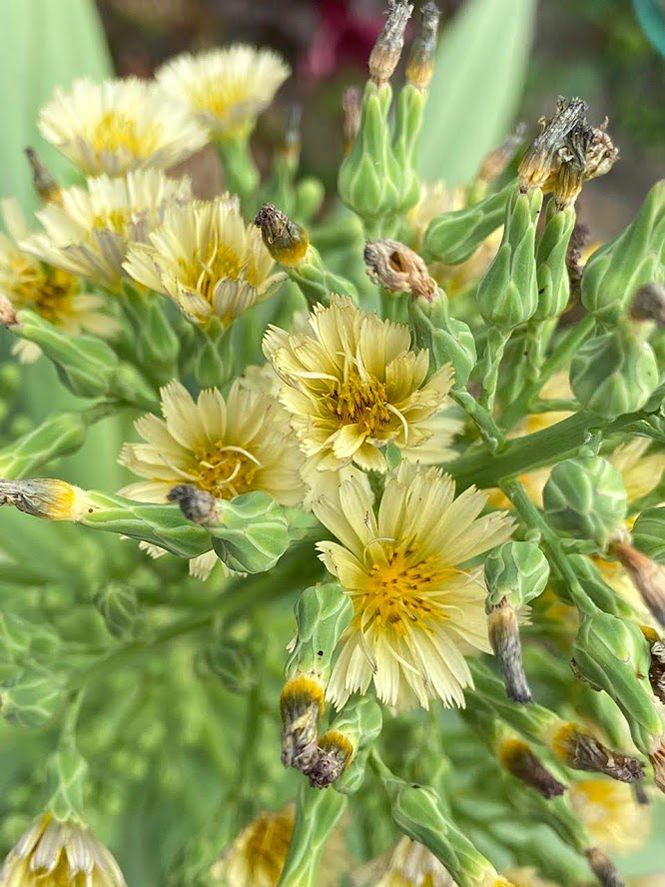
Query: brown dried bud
{"x": 603, "y": 868}
{"x": 498, "y": 159}
{"x": 289, "y": 148}
{"x": 566, "y": 183}
{"x": 7, "y": 312}
{"x": 301, "y": 706}
{"x": 504, "y": 636}
{"x": 351, "y": 105}
{"x": 420, "y": 66}
{"x": 648, "y": 303}
{"x": 334, "y": 756}
{"x": 43, "y": 182}
{"x": 47, "y": 498}
{"x": 196, "y": 505}
{"x": 398, "y": 269}
{"x": 518, "y": 759}
{"x": 580, "y": 750}
{"x": 647, "y": 575}
{"x": 286, "y": 241}
{"x": 578, "y": 239}
{"x": 601, "y": 155}
{"x": 388, "y": 48}
{"x": 541, "y": 158}
{"x": 657, "y": 667}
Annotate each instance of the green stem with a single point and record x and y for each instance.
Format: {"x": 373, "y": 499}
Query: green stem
{"x": 494, "y": 348}
{"x": 317, "y": 813}
{"x": 538, "y": 334}
{"x": 535, "y": 520}
{"x": 561, "y": 356}
{"x": 242, "y": 176}
{"x": 489, "y": 430}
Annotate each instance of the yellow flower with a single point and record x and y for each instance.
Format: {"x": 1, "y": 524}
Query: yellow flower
{"x": 60, "y": 854}
{"x": 353, "y": 384}
{"x": 257, "y": 855}
{"x": 119, "y": 125}
{"x": 527, "y": 877}
{"x": 223, "y": 446}
{"x": 417, "y": 610}
{"x": 52, "y": 293}
{"x": 207, "y": 260}
{"x": 225, "y": 89}
{"x": 90, "y": 232}
{"x": 612, "y": 815}
{"x": 413, "y": 865}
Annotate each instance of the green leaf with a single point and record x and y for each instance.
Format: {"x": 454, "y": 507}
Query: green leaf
{"x": 478, "y": 80}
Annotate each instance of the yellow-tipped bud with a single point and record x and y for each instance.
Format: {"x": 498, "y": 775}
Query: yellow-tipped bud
{"x": 388, "y": 48}
{"x": 301, "y": 705}
{"x": 43, "y": 181}
{"x": 504, "y": 636}
{"x": 47, "y": 498}
{"x": 286, "y": 241}
{"x": 420, "y": 67}
{"x": 518, "y": 759}
{"x": 579, "y": 749}
{"x": 335, "y": 754}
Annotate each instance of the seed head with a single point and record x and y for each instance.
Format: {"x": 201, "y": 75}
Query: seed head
{"x": 388, "y": 48}
{"x": 285, "y": 240}
{"x": 398, "y": 269}
{"x": 504, "y": 637}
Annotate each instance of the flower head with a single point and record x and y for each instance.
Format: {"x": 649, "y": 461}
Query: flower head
{"x": 90, "y": 232}
{"x": 225, "y": 89}
{"x": 413, "y": 865}
{"x": 119, "y": 125}
{"x": 611, "y": 813}
{"x": 225, "y": 447}
{"x": 417, "y": 609}
{"x": 207, "y": 260}
{"x": 258, "y": 854}
{"x": 60, "y": 854}
{"x": 52, "y": 293}
{"x": 353, "y": 384}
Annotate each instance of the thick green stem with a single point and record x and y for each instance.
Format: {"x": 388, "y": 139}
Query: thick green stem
{"x": 482, "y": 419}
{"x": 494, "y": 348}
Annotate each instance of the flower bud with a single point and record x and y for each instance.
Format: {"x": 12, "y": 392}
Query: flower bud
{"x": 616, "y": 270}
{"x": 495, "y": 163}
{"x": 309, "y": 195}
{"x": 286, "y": 241}
{"x": 586, "y": 497}
{"x": 351, "y": 99}
{"x": 520, "y": 761}
{"x": 647, "y": 575}
{"x": 541, "y": 158}
{"x": 420, "y": 66}
{"x": 517, "y": 572}
{"x": 252, "y": 532}
{"x": 649, "y": 533}
{"x": 388, "y": 47}
{"x": 504, "y": 637}
{"x": 46, "y": 498}
{"x": 614, "y": 373}
{"x": 43, "y": 182}
{"x": 648, "y": 303}
{"x": 579, "y": 749}
{"x": 322, "y": 614}
{"x": 551, "y": 268}
{"x": 58, "y": 435}
{"x": 603, "y": 868}
{"x": 507, "y": 294}
{"x": 121, "y": 611}
{"x": 232, "y": 663}
{"x": 398, "y": 269}
{"x": 31, "y": 696}
{"x": 453, "y": 237}
{"x": 353, "y": 729}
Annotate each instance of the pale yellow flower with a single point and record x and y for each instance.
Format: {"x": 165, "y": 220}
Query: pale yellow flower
{"x": 257, "y": 855}
{"x": 90, "y": 232}
{"x": 418, "y": 611}
{"x": 119, "y": 125}
{"x": 413, "y": 865}
{"x": 208, "y": 260}
{"x": 56, "y": 295}
{"x": 527, "y": 876}
{"x": 612, "y": 815}
{"x": 52, "y": 853}
{"x": 225, "y": 89}
{"x": 353, "y": 384}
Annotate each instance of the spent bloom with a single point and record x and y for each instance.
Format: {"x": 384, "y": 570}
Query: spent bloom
{"x": 353, "y": 384}
{"x": 56, "y": 295}
{"x": 611, "y": 813}
{"x": 258, "y": 854}
{"x": 119, "y": 125}
{"x": 90, "y": 231}
{"x": 53, "y": 853}
{"x": 418, "y": 611}
{"x": 207, "y": 259}
{"x": 225, "y": 89}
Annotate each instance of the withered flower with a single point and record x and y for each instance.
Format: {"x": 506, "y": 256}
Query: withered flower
{"x": 397, "y": 268}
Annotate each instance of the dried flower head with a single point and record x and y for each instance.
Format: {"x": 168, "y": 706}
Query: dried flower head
{"x": 54, "y": 294}
{"x": 48, "y": 498}
{"x": 504, "y": 636}
{"x": 417, "y": 611}
{"x": 353, "y": 384}
{"x": 388, "y": 47}
{"x": 420, "y": 66}
{"x": 119, "y": 125}
{"x": 647, "y": 575}
{"x": 286, "y": 241}
{"x": 225, "y": 89}
{"x": 207, "y": 259}
{"x": 90, "y": 233}
{"x": 53, "y": 853}
{"x": 541, "y": 158}
{"x": 521, "y": 762}
{"x": 397, "y": 268}
{"x": 351, "y": 102}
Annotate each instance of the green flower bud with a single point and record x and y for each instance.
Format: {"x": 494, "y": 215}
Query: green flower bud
{"x": 232, "y": 663}
{"x": 517, "y": 571}
{"x": 448, "y": 340}
{"x": 67, "y": 776}
{"x": 157, "y": 345}
{"x": 613, "y": 655}
{"x": 586, "y": 497}
{"x": 121, "y": 611}
{"x": 508, "y": 294}
{"x": 649, "y": 533}
{"x": 31, "y": 696}
{"x": 354, "y": 728}
{"x": 58, "y": 435}
{"x": 310, "y": 193}
{"x": 130, "y": 386}
{"x": 85, "y": 364}
{"x": 369, "y": 176}
{"x": 596, "y": 588}
{"x": 551, "y": 269}
{"x": 408, "y": 125}
{"x": 635, "y": 257}
{"x": 453, "y": 237}
{"x": 614, "y": 373}
{"x": 252, "y": 532}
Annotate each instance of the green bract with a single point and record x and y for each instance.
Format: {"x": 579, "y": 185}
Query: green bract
{"x": 517, "y": 571}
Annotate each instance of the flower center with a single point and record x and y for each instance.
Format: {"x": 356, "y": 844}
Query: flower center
{"x": 54, "y": 297}
{"x": 116, "y": 220}
{"x": 268, "y": 845}
{"x": 396, "y": 593}
{"x": 357, "y": 401}
{"x": 225, "y": 471}
{"x": 116, "y": 131}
